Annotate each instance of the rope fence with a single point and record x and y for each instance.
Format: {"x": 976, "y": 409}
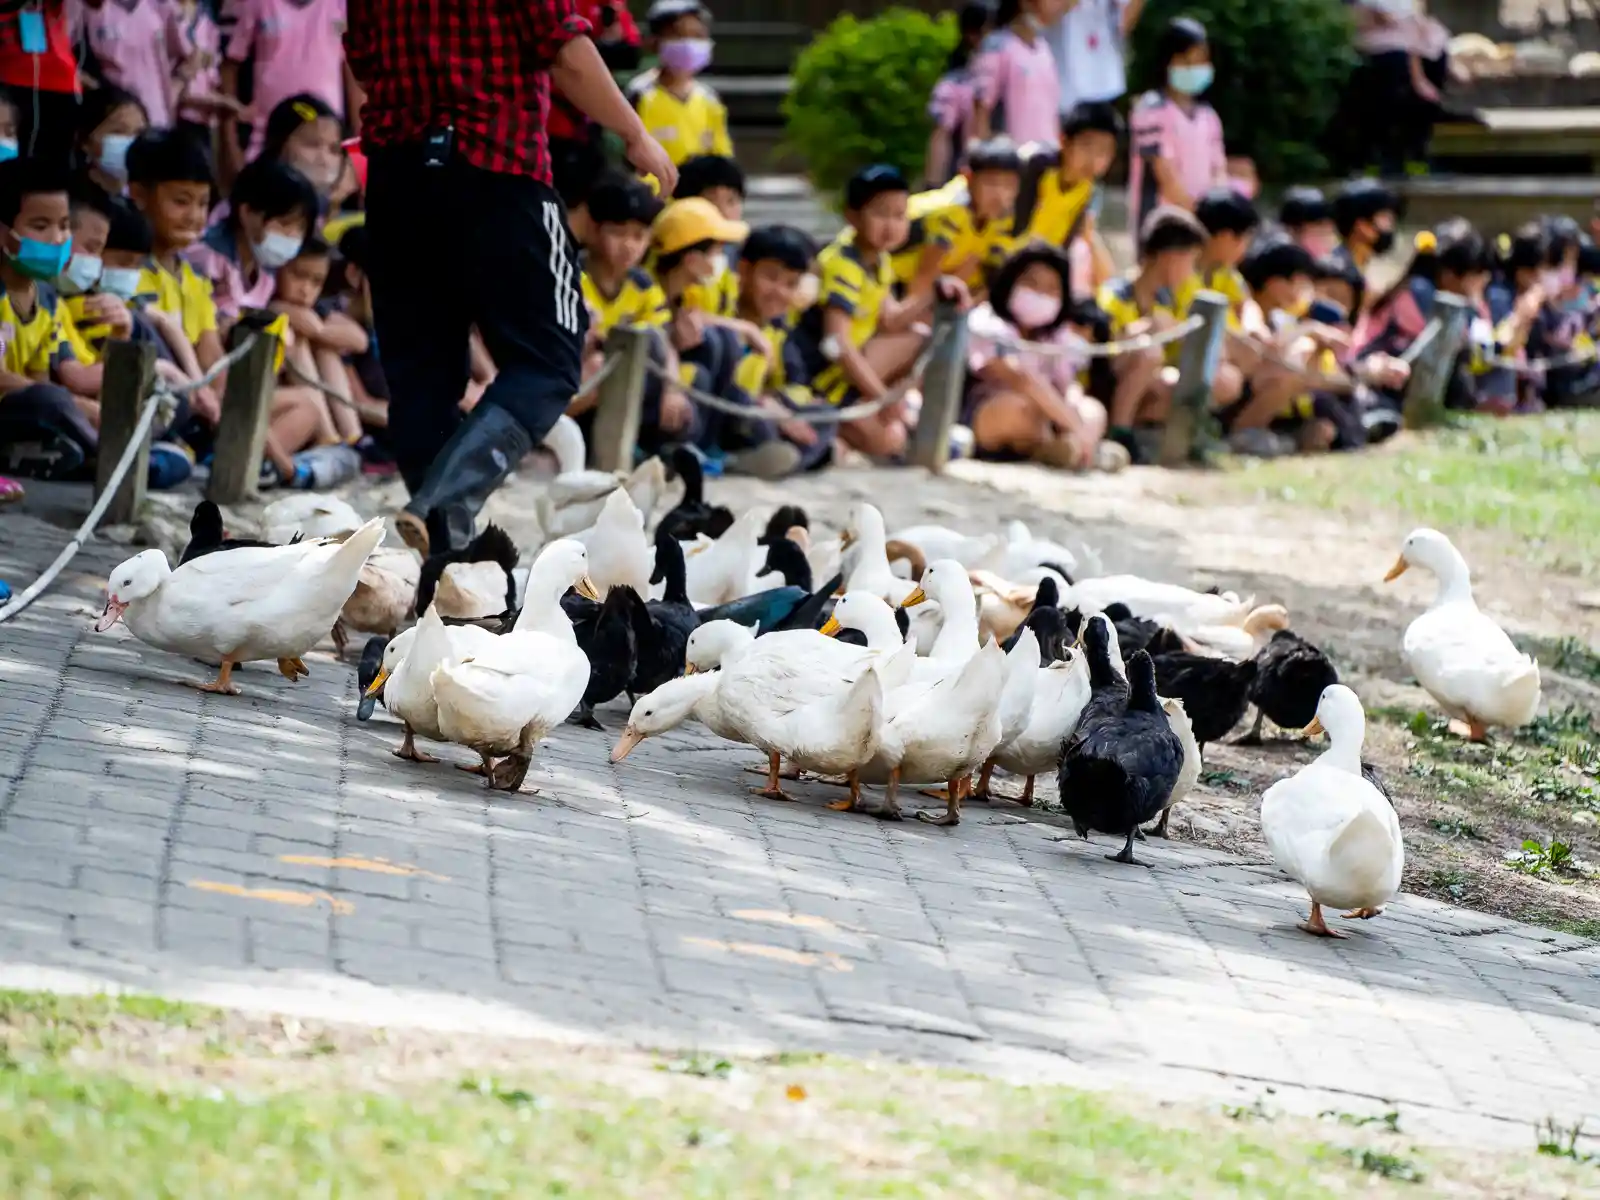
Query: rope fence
{"x": 161, "y": 392}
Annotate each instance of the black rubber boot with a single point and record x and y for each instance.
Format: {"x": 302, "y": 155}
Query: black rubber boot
{"x": 475, "y": 461}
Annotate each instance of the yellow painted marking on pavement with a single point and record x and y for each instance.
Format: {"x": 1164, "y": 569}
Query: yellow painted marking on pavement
{"x": 275, "y": 895}
{"x": 798, "y": 920}
{"x": 799, "y": 958}
{"x": 379, "y": 866}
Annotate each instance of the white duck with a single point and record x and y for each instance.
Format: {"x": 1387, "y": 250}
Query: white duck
{"x": 1060, "y": 692}
{"x": 406, "y": 681}
{"x": 945, "y": 582}
{"x": 308, "y": 514}
{"x": 620, "y": 555}
{"x": 383, "y": 597}
{"x": 871, "y": 571}
{"x": 1016, "y": 701}
{"x": 500, "y": 694}
{"x": 1020, "y": 554}
{"x": 1169, "y": 603}
{"x": 722, "y": 571}
{"x": 940, "y": 541}
{"x": 1329, "y": 828}
{"x": 1238, "y": 642}
{"x": 573, "y": 499}
{"x": 1459, "y": 653}
{"x": 1178, "y": 719}
{"x": 252, "y": 603}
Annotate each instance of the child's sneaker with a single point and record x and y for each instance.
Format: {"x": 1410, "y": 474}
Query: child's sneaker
{"x": 770, "y": 460}
{"x": 962, "y": 443}
{"x": 327, "y": 466}
{"x": 1111, "y": 457}
{"x": 1121, "y": 435}
{"x": 1261, "y": 443}
{"x": 170, "y": 465}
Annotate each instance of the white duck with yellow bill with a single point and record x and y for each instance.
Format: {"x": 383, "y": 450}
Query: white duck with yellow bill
{"x": 501, "y": 694}
{"x": 1459, "y": 653}
{"x": 871, "y": 571}
{"x": 266, "y": 602}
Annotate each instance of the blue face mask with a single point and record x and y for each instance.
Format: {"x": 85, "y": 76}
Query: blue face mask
{"x": 1191, "y": 80}
{"x": 8, "y": 149}
{"x": 41, "y": 260}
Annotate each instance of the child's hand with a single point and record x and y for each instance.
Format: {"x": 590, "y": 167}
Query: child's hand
{"x": 303, "y": 321}
{"x": 1530, "y": 302}
{"x": 204, "y": 404}
{"x": 111, "y": 311}
{"x": 1385, "y": 371}
{"x": 676, "y": 411}
{"x": 801, "y": 433}
{"x": 750, "y": 333}
{"x": 688, "y": 329}
{"x": 1425, "y": 90}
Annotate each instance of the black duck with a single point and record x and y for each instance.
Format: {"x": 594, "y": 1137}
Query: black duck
{"x": 1290, "y": 678}
{"x": 667, "y": 624}
{"x": 692, "y": 516}
{"x": 787, "y": 559}
{"x": 493, "y": 545}
{"x": 367, "y": 674}
{"x": 1214, "y": 691}
{"x": 1122, "y": 762}
{"x": 207, "y": 535}
{"x": 608, "y": 632}
{"x": 786, "y": 518}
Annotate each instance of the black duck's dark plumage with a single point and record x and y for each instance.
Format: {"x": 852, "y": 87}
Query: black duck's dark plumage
{"x": 662, "y": 629}
{"x": 1055, "y": 630}
{"x": 1290, "y": 678}
{"x": 778, "y": 608}
{"x": 693, "y": 516}
{"x": 492, "y": 545}
{"x": 1370, "y": 774}
{"x": 1121, "y": 764}
{"x": 207, "y": 535}
{"x": 790, "y": 561}
{"x": 1048, "y": 595}
{"x": 608, "y": 633}
{"x": 1214, "y": 691}
{"x": 367, "y": 673}
{"x": 785, "y": 519}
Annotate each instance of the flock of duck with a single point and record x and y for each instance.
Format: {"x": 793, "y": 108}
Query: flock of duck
{"x": 928, "y": 658}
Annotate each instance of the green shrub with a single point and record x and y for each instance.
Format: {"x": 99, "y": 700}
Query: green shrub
{"x": 860, "y": 94}
{"x": 1281, "y": 66}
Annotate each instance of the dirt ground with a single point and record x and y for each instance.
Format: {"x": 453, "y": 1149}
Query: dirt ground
{"x": 1464, "y": 809}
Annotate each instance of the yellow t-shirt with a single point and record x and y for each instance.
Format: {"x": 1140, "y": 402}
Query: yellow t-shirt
{"x": 184, "y": 295}
{"x": 850, "y": 285}
{"x": 1225, "y": 281}
{"x": 719, "y": 298}
{"x": 34, "y": 346}
{"x": 966, "y": 242}
{"x": 696, "y": 124}
{"x": 89, "y": 336}
{"x": 639, "y": 301}
{"x": 1055, "y": 209}
{"x": 1116, "y": 299}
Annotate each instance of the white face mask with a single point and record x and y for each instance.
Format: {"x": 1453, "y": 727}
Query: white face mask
{"x": 82, "y": 273}
{"x": 122, "y": 282}
{"x": 114, "y": 154}
{"x": 275, "y": 249}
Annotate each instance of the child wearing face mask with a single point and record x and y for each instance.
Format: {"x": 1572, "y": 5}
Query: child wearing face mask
{"x": 1307, "y": 217}
{"x": 270, "y": 212}
{"x": 1364, "y": 213}
{"x": 1560, "y": 330}
{"x": 683, "y": 114}
{"x": 1178, "y": 152}
{"x": 108, "y": 123}
{"x": 1027, "y": 404}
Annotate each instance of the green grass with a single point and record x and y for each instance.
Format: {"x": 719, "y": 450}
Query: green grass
{"x": 135, "y": 1098}
{"x": 1531, "y": 478}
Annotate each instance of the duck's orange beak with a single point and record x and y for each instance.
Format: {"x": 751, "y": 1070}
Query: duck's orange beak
{"x": 1314, "y": 728}
{"x": 1399, "y": 569}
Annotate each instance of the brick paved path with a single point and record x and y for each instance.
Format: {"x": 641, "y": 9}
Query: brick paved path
{"x": 268, "y": 851}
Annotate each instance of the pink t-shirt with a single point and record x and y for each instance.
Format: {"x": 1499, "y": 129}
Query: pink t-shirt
{"x": 201, "y": 34}
{"x": 950, "y": 104}
{"x": 989, "y": 338}
{"x": 1019, "y": 82}
{"x": 139, "y": 45}
{"x": 298, "y": 48}
{"x": 216, "y": 257}
{"x": 1191, "y": 141}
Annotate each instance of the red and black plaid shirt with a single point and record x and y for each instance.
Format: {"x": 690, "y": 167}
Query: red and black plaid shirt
{"x": 480, "y": 67}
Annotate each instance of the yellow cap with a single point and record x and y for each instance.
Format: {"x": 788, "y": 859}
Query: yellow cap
{"x": 685, "y": 223}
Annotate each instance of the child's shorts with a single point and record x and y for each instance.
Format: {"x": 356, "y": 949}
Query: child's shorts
{"x": 44, "y": 436}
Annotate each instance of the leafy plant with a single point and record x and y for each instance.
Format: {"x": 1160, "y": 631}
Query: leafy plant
{"x": 1561, "y": 1141}
{"x": 1390, "y": 1166}
{"x": 1535, "y": 858}
{"x": 860, "y": 94}
{"x": 1297, "y": 52}
{"x": 1389, "y": 1120}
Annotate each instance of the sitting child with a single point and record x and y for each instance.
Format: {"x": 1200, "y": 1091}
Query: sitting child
{"x": 1307, "y": 217}
{"x": 1145, "y": 302}
{"x": 1060, "y": 198}
{"x": 857, "y": 337}
{"x": 969, "y": 231}
{"x": 1364, "y": 213}
{"x": 1025, "y": 403}
{"x": 772, "y": 263}
{"x": 319, "y": 338}
{"x": 351, "y": 294}
{"x": 1560, "y": 335}
{"x": 49, "y": 425}
{"x": 1276, "y": 405}
{"x": 684, "y": 240}
{"x": 683, "y": 114}
{"x": 270, "y": 211}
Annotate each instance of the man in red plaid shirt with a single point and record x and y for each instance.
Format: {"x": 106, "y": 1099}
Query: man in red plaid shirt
{"x": 465, "y": 230}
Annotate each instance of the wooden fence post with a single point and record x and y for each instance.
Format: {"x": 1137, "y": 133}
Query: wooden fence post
{"x": 621, "y": 399}
{"x": 943, "y": 385}
{"x": 1433, "y": 359}
{"x": 130, "y": 370}
{"x": 1198, "y": 356}
{"x": 242, "y": 431}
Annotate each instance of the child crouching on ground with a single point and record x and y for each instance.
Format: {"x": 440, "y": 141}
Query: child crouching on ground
{"x": 684, "y": 240}
{"x": 1026, "y": 403}
{"x": 1145, "y": 302}
{"x": 772, "y": 263}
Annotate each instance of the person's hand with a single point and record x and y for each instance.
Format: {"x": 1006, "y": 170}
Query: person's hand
{"x": 204, "y": 404}
{"x": 648, "y": 158}
{"x": 1329, "y": 337}
{"x": 953, "y": 291}
{"x": 109, "y": 310}
{"x": 302, "y": 320}
{"x": 688, "y": 328}
{"x": 1530, "y": 302}
{"x": 676, "y": 411}
{"x": 1425, "y": 90}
